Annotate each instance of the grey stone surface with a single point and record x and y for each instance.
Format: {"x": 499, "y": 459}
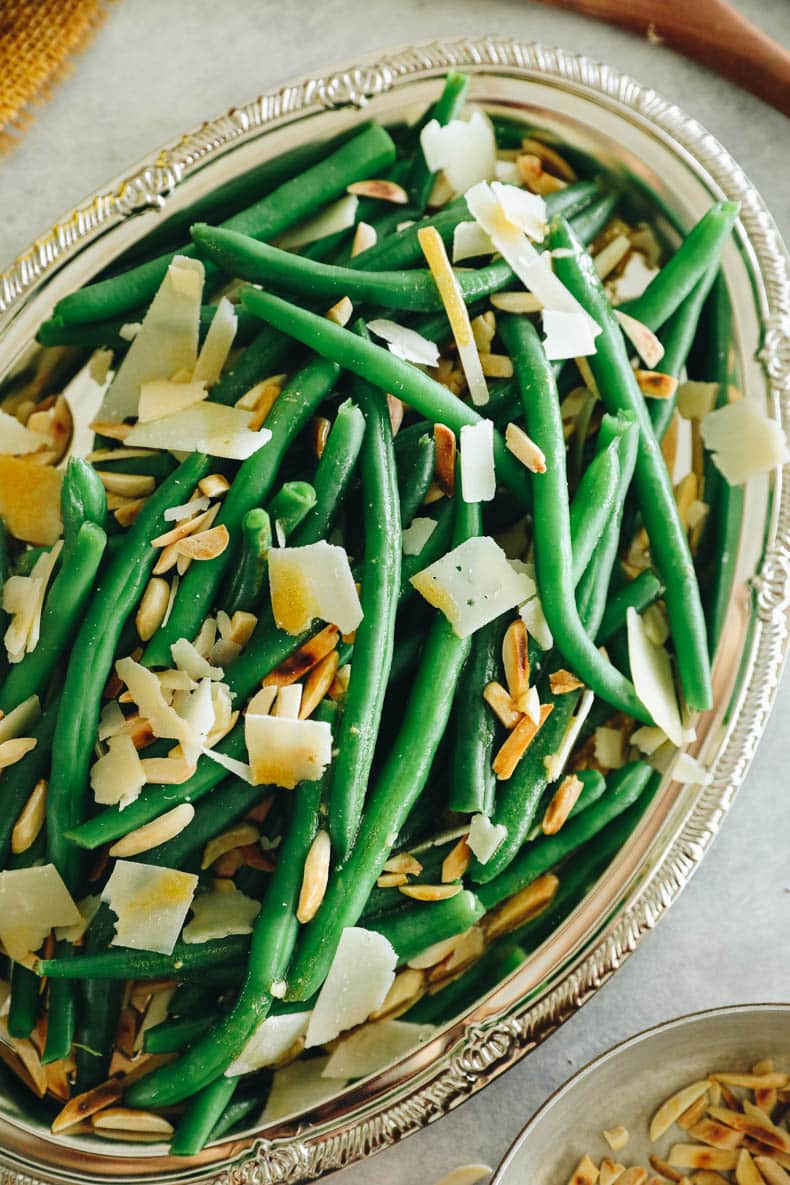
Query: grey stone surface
{"x": 158, "y": 68}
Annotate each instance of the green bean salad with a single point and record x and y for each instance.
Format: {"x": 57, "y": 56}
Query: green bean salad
{"x": 365, "y": 535}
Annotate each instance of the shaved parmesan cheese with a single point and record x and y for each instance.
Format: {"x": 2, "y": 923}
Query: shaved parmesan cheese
{"x": 167, "y": 341}
{"x": 16, "y": 439}
{"x": 23, "y": 597}
{"x": 609, "y": 748}
{"x": 507, "y": 172}
{"x": 196, "y": 709}
{"x": 30, "y": 500}
{"x": 743, "y": 440}
{"x": 523, "y": 209}
{"x": 239, "y": 768}
{"x": 88, "y": 907}
{"x": 262, "y": 702}
{"x": 163, "y": 397}
{"x": 687, "y": 769}
{"x": 642, "y": 339}
{"x": 269, "y": 1043}
{"x": 337, "y": 216}
{"x": 417, "y": 535}
{"x": 478, "y": 479}
{"x": 531, "y": 613}
{"x": 465, "y": 150}
{"x": 19, "y": 722}
{"x": 155, "y": 1013}
{"x": 373, "y": 1047}
{"x": 313, "y": 582}
{"x": 289, "y": 701}
{"x": 405, "y": 343}
{"x": 146, "y": 691}
{"x": 485, "y": 837}
{"x": 219, "y": 913}
{"x": 469, "y": 241}
{"x": 111, "y": 720}
{"x": 286, "y": 752}
{"x": 118, "y": 776}
{"x": 32, "y": 901}
{"x": 648, "y": 738}
{"x": 205, "y": 427}
{"x": 696, "y": 399}
{"x": 555, "y": 763}
{"x": 188, "y": 660}
{"x": 84, "y": 396}
{"x": 361, "y": 974}
{"x": 651, "y": 671}
{"x": 150, "y": 904}
{"x": 216, "y": 346}
{"x": 472, "y": 584}
{"x": 634, "y": 278}
{"x": 568, "y": 335}
{"x": 297, "y": 1088}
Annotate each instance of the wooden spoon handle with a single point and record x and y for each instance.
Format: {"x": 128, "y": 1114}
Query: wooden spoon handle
{"x": 709, "y": 31}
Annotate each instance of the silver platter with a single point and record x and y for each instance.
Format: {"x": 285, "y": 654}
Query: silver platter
{"x": 638, "y": 136}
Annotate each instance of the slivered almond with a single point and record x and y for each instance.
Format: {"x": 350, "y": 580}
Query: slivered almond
{"x": 515, "y": 658}
{"x": 267, "y": 394}
{"x": 617, "y": 1137}
{"x": 57, "y": 1076}
{"x": 85, "y": 1105}
{"x": 669, "y": 1111}
{"x": 501, "y": 703}
{"x": 746, "y": 1171}
{"x": 611, "y": 255}
{"x": 158, "y": 831}
{"x": 430, "y": 892}
{"x": 31, "y": 819}
{"x": 642, "y": 339}
{"x": 609, "y": 1171}
{"x": 466, "y": 950}
{"x": 754, "y": 1124}
{"x": 396, "y": 409}
{"x": 168, "y": 558}
{"x": 235, "y": 837}
{"x": 364, "y": 237}
{"x": 253, "y": 856}
{"x": 403, "y": 862}
{"x": 522, "y": 906}
{"x": 496, "y": 366}
{"x": 126, "y": 1032}
{"x": 125, "y": 1119}
{"x": 407, "y": 987}
{"x": 456, "y": 861}
{"x": 549, "y": 157}
{"x": 445, "y": 448}
{"x": 315, "y": 877}
{"x": 391, "y": 880}
{"x": 214, "y": 485}
{"x": 655, "y": 385}
{"x": 729, "y": 1097}
{"x": 516, "y": 302}
{"x": 561, "y": 805}
{"x": 109, "y": 429}
{"x": 562, "y": 681}
{"x": 242, "y": 624}
{"x": 152, "y": 608}
{"x": 664, "y": 1169}
{"x": 228, "y": 864}
{"x": 765, "y": 1066}
{"x": 128, "y": 485}
{"x": 633, "y": 1176}
{"x": 341, "y": 312}
{"x": 774, "y": 1173}
{"x": 205, "y": 545}
{"x": 766, "y": 1100}
{"x": 535, "y": 177}
{"x": 15, "y": 749}
{"x": 385, "y": 191}
{"x": 320, "y": 431}
{"x": 317, "y": 684}
{"x": 125, "y": 515}
{"x": 297, "y": 664}
{"x": 517, "y": 743}
{"x": 769, "y": 1081}
{"x": 127, "y": 1137}
{"x": 524, "y": 449}
{"x": 708, "y": 1131}
{"x": 585, "y": 1173}
{"x": 692, "y": 1114}
{"x": 27, "y": 1053}
{"x": 697, "y": 1156}
{"x": 16, "y": 1066}
{"x": 432, "y": 494}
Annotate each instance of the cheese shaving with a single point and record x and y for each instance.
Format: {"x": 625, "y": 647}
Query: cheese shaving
{"x": 118, "y": 776}
{"x": 220, "y": 913}
{"x": 163, "y": 397}
{"x": 285, "y": 752}
{"x": 23, "y": 597}
{"x": 687, "y": 769}
{"x": 405, "y": 343}
{"x": 337, "y": 216}
{"x": 204, "y": 427}
{"x": 373, "y": 1047}
{"x": 568, "y": 335}
{"x": 269, "y": 1043}
{"x": 465, "y": 150}
{"x": 30, "y": 500}
{"x": 313, "y": 582}
{"x": 457, "y": 313}
{"x": 193, "y": 664}
{"x": 298, "y": 1087}
{"x": 651, "y": 671}
{"x": 216, "y": 346}
{"x": 744, "y": 441}
{"x": 146, "y": 691}
{"x": 472, "y": 584}
{"x": 485, "y": 837}
{"x": 470, "y": 241}
{"x": 417, "y": 535}
{"x": 150, "y": 904}
{"x": 478, "y": 478}
{"x": 16, "y": 439}
{"x": 84, "y": 396}
{"x": 32, "y": 901}
{"x": 240, "y": 768}
{"x": 361, "y": 974}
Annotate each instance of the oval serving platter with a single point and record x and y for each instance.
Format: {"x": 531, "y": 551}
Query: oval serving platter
{"x": 664, "y": 154}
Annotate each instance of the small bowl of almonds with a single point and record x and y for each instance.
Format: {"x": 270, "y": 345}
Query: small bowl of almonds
{"x": 701, "y": 1100}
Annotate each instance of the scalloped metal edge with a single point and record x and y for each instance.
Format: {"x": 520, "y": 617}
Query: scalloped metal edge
{"x": 487, "y": 1050}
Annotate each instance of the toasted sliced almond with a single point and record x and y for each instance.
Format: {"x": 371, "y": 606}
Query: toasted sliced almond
{"x": 235, "y": 837}
{"x": 501, "y": 703}
{"x": 535, "y": 177}
{"x": 125, "y": 515}
{"x": 266, "y": 395}
{"x": 214, "y": 485}
{"x": 611, "y": 255}
{"x": 170, "y": 771}
{"x": 524, "y": 449}
{"x": 773, "y": 1173}
{"x": 157, "y": 832}
{"x": 633, "y": 1176}
{"x": 664, "y": 1169}
{"x": 168, "y": 558}
{"x": 430, "y": 892}
{"x": 668, "y": 1112}
{"x": 642, "y": 339}
{"x": 396, "y": 409}
{"x": 549, "y": 157}
{"x": 385, "y": 191}
{"x": 407, "y": 987}
{"x": 496, "y": 366}
{"x": 391, "y": 880}
{"x": 317, "y": 684}
{"x": 28, "y": 1055}
{"x": 315, "y": 877}
{"x": 125, "y": 1119}
{"x": 522, "y": 906}
{"x": 129, "y": 485}
{"x": 15, "y": 1064}
{"x": 753, "y": 1123}
{"x": 85, "y": 1105}
{"x": 205, "y": 545}
{"x": 242, "y": 624}
{"x": 186, "y": 526}
{"x": 766, "y": 1100}
{"x": 15, "y": 749}
{"x": 465, "y": 950}
{"x": 111, "y": 430}
{"x": 456, "y": 861}
{"x": 609, "y": 1171}
{"x": 585, "y": 1173}
{"x": 364, "y": 237}
{"x": 297, "y": 664}
{"x": 57, "y": 1076}
{"x": 769, "y": 1081}
{"x": 515, "y": 658}
{"x": 516, "y": 302}
{"x": 31, "y": 819}
{"x": 320, "y": 431}
{"x": 517, "y": 743}
{"x": 445, "y": 448}
{"x": 403, "y": 862}
{"x": 697, "y": 1156}
{"x": 708, "y": 1131}
{"x": 561, "y": 805}
{"x": 126, "y": 1033}
{"x": 655, "y": 385}
{"x": 562, "y": 681}
{"x": 152, "y": 608}
{"x": 693, "y": 1114}
{"x": 746, "y": 1171}
{"x": 341, "y": 312}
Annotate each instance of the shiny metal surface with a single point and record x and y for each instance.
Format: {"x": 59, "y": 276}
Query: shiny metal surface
{"x": 635, "y": 134}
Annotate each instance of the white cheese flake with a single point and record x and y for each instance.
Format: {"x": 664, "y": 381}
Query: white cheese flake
{"x": 744, "y": 441}
{"x": 163, "y": 397}
{"x": 146, "y": 690}
{"x": 470, "y": 241}
{"x": 204, "y": 427}
{"x": 285, "y": 752}
{"x": 150, "y": 904}
{"x": 472, "y": 584}
{"x": 375, "y": 1046}
{"x": 269, "y": 1043}
{"x": 555, "y": 763}
{"x": 337, "y": 216}
{"x": 297, "y": 1088}
{"x": 240, "y": 768}
{"x": 23, "y": 597}
{"x": 568, "y": 335}
{"x": 686, "y": 768}
{"x": 217, "y": 343}
{"x": 32, "y": 901}
{"x": 84, "y": 396}
{"x": 21, "y": 719}
{"x": 405, "y": 343}
{"x": 463, "y": 149}
{"x": 417, "y": 535}
{"x": 220, "y": 913}
{"x": 192, "y": 663}
{"x": 118, "y": 776}
{"x": 485, "y": 837}
{"x": 361, "y": 974}
{"x": 16, "y": 440}
{"x": 88, "y": 907}
{"x": 651, "y": 671}
{"x": 478, "y": 478}
{"x": 313, "y": 582}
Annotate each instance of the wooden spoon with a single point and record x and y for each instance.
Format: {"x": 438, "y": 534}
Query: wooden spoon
{"x": 709, "y": 31}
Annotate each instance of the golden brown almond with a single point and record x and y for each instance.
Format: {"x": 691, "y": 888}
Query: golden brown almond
{"x": 773, "y": 1173}
{"x": 158, "y": 831}
{"x": 85, "y": 1105}
{"x": 253, "y": 856}
{"x": 430, "y": 892}
{"x": 718, "y": 1135}
{"x": 633, "y": 1176}
{"x": 754, "y": 1124}
{"x": 697, "y": 1156}
{"x": 616, "y": 1137}
{"x": 655, "y": 385}
{"x": 317, "y": 684}
{"x": 235, "y": 837}
{"x": 15, "y": 1064}
{"x": 297, "y": 664}
{"x": 522, "y": 906}
{"x": 341, "y": 312}
{"x": 585, "y": 1173}
{"x": 764, "y": 1066}
{"x": 266, "y": 395}
{"x": 126, "y": 1033}
{"x": 445, "y": 449}
{"x": 152, "y": 608}
{"x": 28, "y": 1055}
{"x": 214, "y": 485}
{"x": 126, "y": 1119}
{"x": 57, "y": 1077}
{"x": 364, "y": 237}
{"x": 746, "y": 1171}
{"x": 496, "y": 366}
{"x": 535, "y": 177}
{"x": 396, "y": 409}
{"x": 766, "y": 1100}
{"x": 391, "y": 880}
{"x": 14, "y": 750}
{"x": 315, "y": 877}
{"x": 515, "y": 658}
{"x": 524, "y": 449}
{"x": 609, "y": 1171}
{"x": 320, "y": 431}
{"x": 501, "y": 703}
{"x": 242, "y": 624}
{"x": 549, "y": 158}
{"x": 128, "y": 485}
{"x": 466, "y": 949}
{"x": 110, "y": 429}
{"x": 168, "y": 558}
{"x": 664, "y": 1169}
{"x": 669, "y": 1111}
{"x": 384, "y": 191}
{"x": 516, "y": 302}
{"x": 561, "y": 682}
{"x": 769, "y": 1081}
{"x": 31, "y": 819}
{"x": 456, "y": 861}
{"x": 403, "y": 862}
{"x": 125, "y": 515}
{"x": 610, "y": 256}
{"x": 692, "y": 1114}
{"x": 205, "y": 545}
{"x": 407, "y": 988}
{"x": 561, "y": 805}
{"x": 517, "y": 743}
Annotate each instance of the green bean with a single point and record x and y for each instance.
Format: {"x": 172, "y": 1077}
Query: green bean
{"x": 592, "y": 507}
{"x": 19, "y": 779}
{"x": 624, "y": 787}
{"x": 398, "y": 785}
{"x": 24, "y": 1001}
{"x": 201, "y": 1116}
{"x": 437, "y": 544}
{"x": 247, "y": 259}
{"x": 273, "y": 941}
{"x": 553, "y": 557}
{"x": 238, "y": 1110}
{"x": 63, "y": 609}
{"x": 420, "y": 179}
{"x": 333, "y": 473}
{"x": 266, "y": 354}
{"x": 640, "y": 592}
{"x": 97, "y": 334}
{"x": 413, "y": 930}
{"x": 61, "y": 1013}
{"x": 677, "y": 340}
{"x": 119, "y": 963}
{"x": 248, "y": 578}
{"x": 4, "y": 574}
{"x": 383, "y": 370}
{"x": 588, "y": 223}
{"x": 173, "y": 1034}
{"x": 415, "y": 474}
{"x": 254, "y": 479}
{"x": 472, "y": 783}
{"x": 668, "y": 542}
{"x": 82, "y": 500}
{"x": 290, "y": 505}
{"x": 369, "y": 151}
{"x": 696, "y": 254}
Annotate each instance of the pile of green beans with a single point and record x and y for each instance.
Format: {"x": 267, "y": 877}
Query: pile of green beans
{"x": 359, "y": 451}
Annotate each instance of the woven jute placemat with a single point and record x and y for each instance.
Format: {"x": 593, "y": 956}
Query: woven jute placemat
{"x": 38, "y": 41}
